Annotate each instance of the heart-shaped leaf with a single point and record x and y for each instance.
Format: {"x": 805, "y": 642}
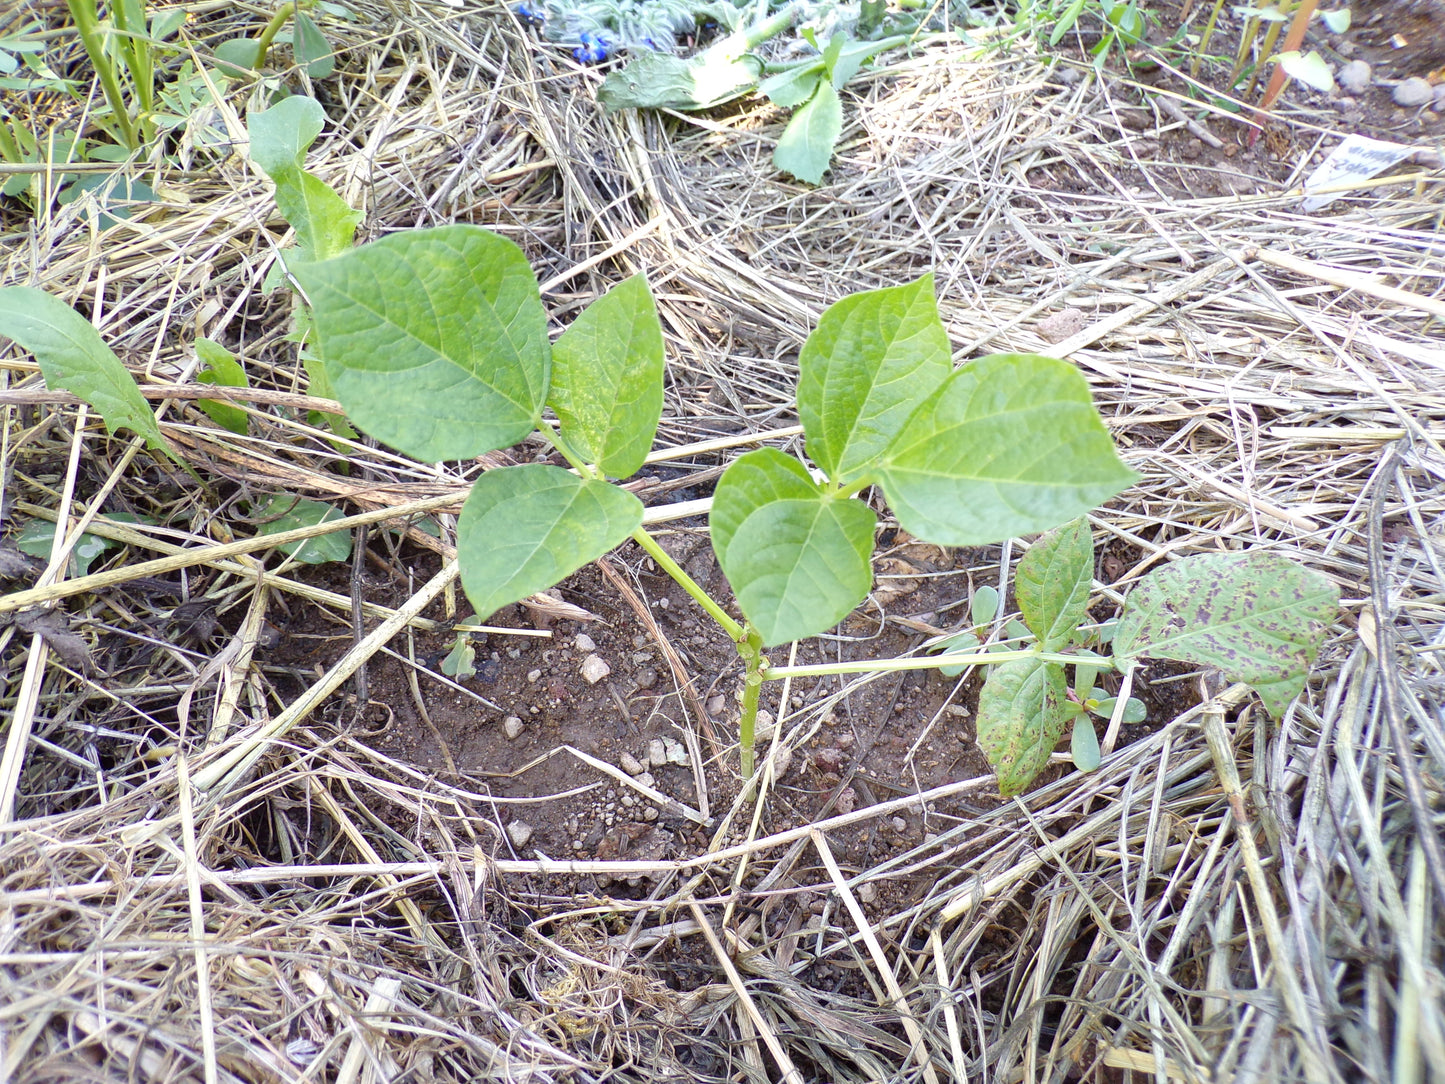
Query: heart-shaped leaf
{"x": 435, "y": 340}
{"x": 1021, "y": 717}
{"x": 1009, "y": 445}
{"x": 1052, "y": 583}
{"x": 524, "y": 529}
{"x": 806, "y": 145}
{"x": 325, "y": 226}
{"x": 871, "y": 361}
{"x": 73, "y": 357}
{"x": 1258, "y": 617}
{"x": 795, "y": 554}
{"x": 607, "y": 378}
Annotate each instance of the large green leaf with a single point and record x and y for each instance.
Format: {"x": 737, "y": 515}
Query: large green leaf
{"x": 73, "y": 357}
{"x": 524, "y": 529}
{"x": 1052, "y": 583}
{"x": 806, "y": 145}
{"x": 663, "y": 81}
{"x": 325, "y": 225}
{"x": 872, "y": 359}
{"x": 795, "y": 554}
{"x": 1009, "y": 445}
{"x": 1258, "y": 617}
{"x": 435, "y": 340}
{"x": 1021, "y": 717}
{"x": 607, "y": 378}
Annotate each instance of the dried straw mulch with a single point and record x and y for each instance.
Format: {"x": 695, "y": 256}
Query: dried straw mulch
{"x": 1229, "y": 899}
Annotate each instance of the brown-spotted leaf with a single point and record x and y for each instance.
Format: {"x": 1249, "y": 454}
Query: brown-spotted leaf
{"x": 1021, "y": 717}
{"x": 1258, "y": 617}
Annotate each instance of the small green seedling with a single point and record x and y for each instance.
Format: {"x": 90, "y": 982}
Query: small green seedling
{"x": 435, "y": 341}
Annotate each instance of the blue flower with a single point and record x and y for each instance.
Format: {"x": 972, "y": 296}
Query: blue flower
{"x": 529, "y": 15}
{"x": 594, "y": 48}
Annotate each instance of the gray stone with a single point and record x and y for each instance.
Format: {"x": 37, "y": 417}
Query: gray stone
{"x": 520, "y": 833}
{"x": 512, "y": 727}
{"x": 656, "y": 753}
{"x": 646, "y": 780}
{"x": 1354, "y": 77}
{"x": 630, "y": 764}
{"x": 534, "y": 676}
{"x": 594, "y": 669}
{"x": 1414, "y": 92}
{"x": 583, "y": 642}
{"x": 866, "y": 893}
{"x": 675, "y": 752}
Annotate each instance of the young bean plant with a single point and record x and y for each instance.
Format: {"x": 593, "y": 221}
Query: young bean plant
{"x": 435, "y": 341}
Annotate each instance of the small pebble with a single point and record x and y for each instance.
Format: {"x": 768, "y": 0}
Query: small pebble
{"x": 662, "y": 604}
{"x": 519, "y": 832}
{"x": 583, "y": 642}
{"x": 764, "y": 728}
{"x": 675, "y": 752}
{"x": 656, "y": 753}
{"x": 847, "y": 800}
{"x": 511, "y": 728}
{"x": 1414, "y": 92}
{"x": 715, "y": 705}
{"x": 1058, "y": 326}
{"x": 899, "y": 824}
{"x": 594, "y": 669}
{"x": 534, "y": 676}
{"x": 866, "y": 893}
{"x": 646, "y": 779}
{"x": 1354, "y": 77}
{"x": 646, "y": 678}
{"x": 630, "y": 764}
{"x": 650, "y": 814}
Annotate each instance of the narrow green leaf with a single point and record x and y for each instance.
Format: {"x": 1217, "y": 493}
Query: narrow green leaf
{"x": 1084, "y": 675}
{"x": 1258, "y": 617}
{"x": 221, "y": 368}
{"x": 1021, "y": 718}
{"x": 796, "y": 555}
{"x": 286, "y": 513}
{"x": 435, "y": 340}
{"x": 1084, "y": 745}
{"x": 311, "y": 47}
{"x": 1009, "y": 445}
{"x": 1052, "y": 583}
{"x": 280, "y": 135}
{"x": 607, "y": 378}
{"x": 871, "y": 361}
{"x": 325, "y": 225}
{"x": 806, "y": 145}
{"x": 794, "y": 86}
{"x": 524, "y": 529}
{"x": 73, "y": 357}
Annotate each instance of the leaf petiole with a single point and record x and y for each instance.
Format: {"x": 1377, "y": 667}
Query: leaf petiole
{"x": 687, "y": 583}
{"x": 866, "y": 666}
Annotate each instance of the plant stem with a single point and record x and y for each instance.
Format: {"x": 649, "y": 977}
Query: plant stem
{"x": 284, "y": 12}
{"x": 870, "y": 666}
{"x": 87, "y": 24}
{"x": 687, "y": 583}
{"x": 751, "y": 649}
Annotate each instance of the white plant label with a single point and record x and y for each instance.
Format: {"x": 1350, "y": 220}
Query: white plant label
{"x": 1356, "y": 159}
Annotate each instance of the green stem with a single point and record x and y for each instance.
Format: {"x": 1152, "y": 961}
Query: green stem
{"x": 751, "y": 649}
{"x": 870, "y": 666}
{"x": 691, "y": 586}
{"x": 87, "y": 24}
{"x": 284, "y": 12}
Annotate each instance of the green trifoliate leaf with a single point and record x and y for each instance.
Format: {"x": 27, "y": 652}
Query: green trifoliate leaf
{"x": 796, "y": 555}
{"x": 285, "y": 513}
{"x": 806, "y": 145}
{"x": 434, "y": 340}
{"x": 73, "y": 357}
{"x": 1009, "y": 445}
{"x": 221, "y": 367}
{"x": 871, "y": 361}
{"x": 1021, "y": 717}
{"x": 607, "y": 378}
{"x": 1258, "y": 617}
{"x": 1053, "y": 581}
{"x": 524, "y": 529}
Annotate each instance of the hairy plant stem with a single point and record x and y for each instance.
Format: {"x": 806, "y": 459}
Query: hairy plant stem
{"x": 687, "y": 583}
{"x": 751, "y": 649}
{"x": 871, "y": 666}
{"x": 87, "y": 24}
